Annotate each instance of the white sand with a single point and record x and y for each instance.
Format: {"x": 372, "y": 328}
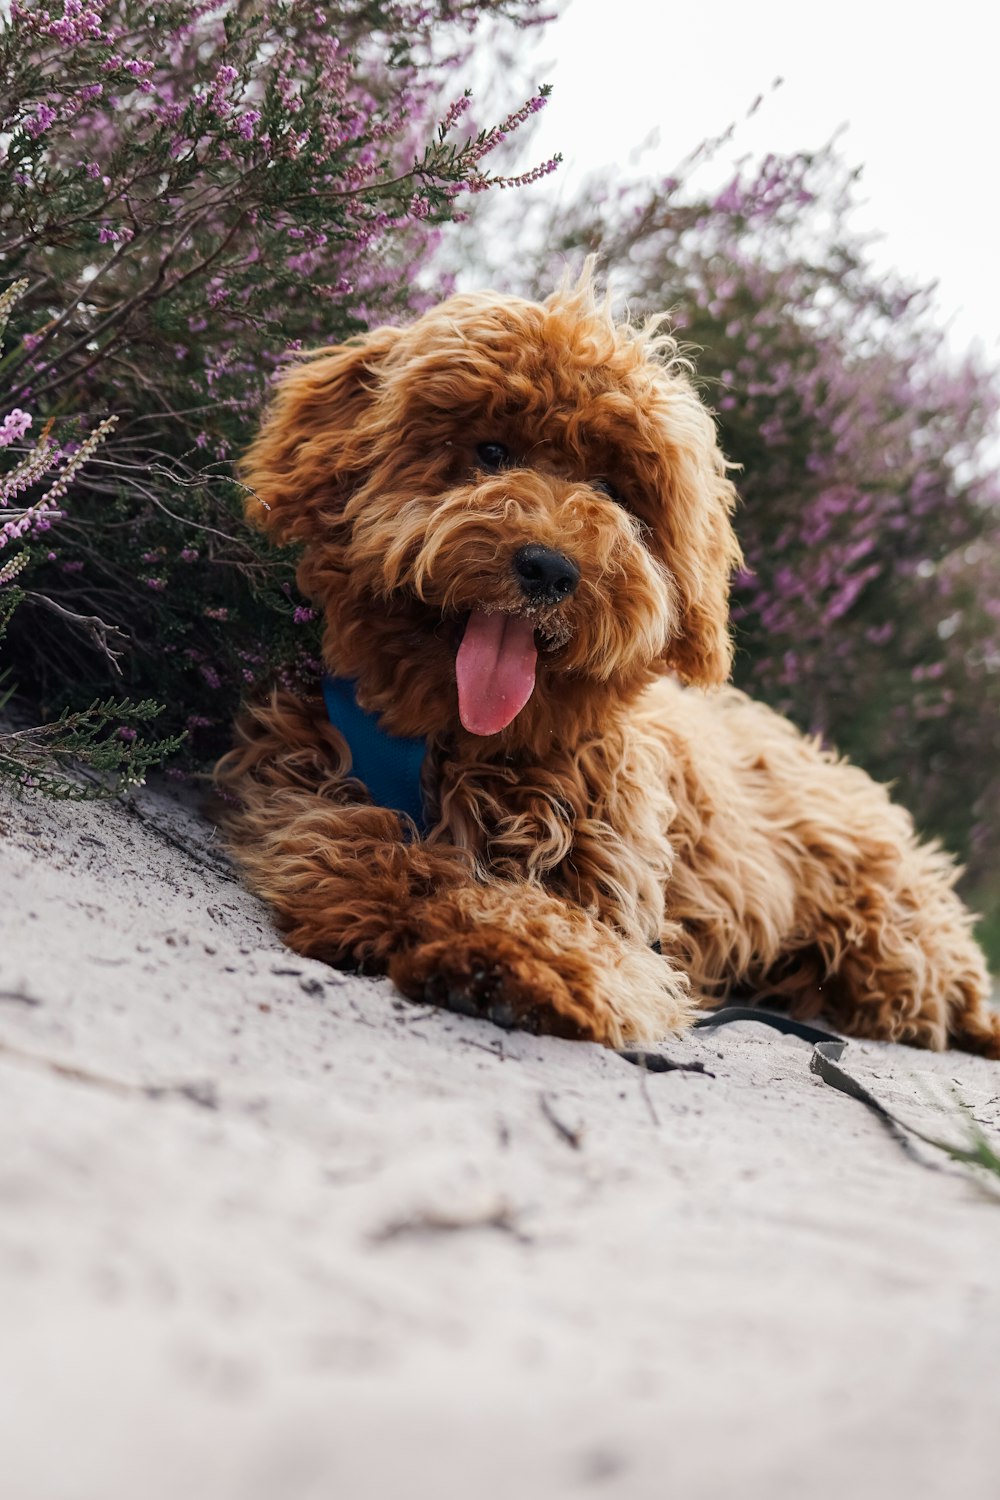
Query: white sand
{"x": 267, "y": 1233}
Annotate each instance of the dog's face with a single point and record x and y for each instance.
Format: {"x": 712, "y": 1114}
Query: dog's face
{"x": 511, "y": 512}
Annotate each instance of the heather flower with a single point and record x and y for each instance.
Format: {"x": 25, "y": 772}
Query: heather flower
{"x": 12, "y": 567}
{"x": 453, "y": 114}
{"x": 43, "y": 117}
{"x": 13, "y": 427}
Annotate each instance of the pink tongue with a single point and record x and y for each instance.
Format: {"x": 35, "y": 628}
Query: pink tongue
{"x": 495, "y": 667}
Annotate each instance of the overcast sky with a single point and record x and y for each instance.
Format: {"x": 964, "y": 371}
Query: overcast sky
{"x": 917, "y": 87}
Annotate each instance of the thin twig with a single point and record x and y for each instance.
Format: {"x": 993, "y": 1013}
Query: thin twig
{"x": 106, "y": 637}
{"x": 644, "y": 1091}
{"x": 573, "y": 1138}
{"x": 442, "y": 1221}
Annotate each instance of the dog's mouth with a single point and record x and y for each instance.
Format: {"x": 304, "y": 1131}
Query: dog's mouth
{"x": 495, "y": 669}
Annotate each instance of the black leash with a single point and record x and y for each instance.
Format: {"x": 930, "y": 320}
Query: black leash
{"x": 658, "y": 1062}
{"x": 828, "y": 1049}
{"x": 776, "y": 1019}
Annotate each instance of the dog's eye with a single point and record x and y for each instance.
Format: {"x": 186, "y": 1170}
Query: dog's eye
{"x": 493, "y": 456}
{"x": 606, "y": 488}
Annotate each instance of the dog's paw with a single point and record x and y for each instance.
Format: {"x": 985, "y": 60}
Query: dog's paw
{"x": 495, "y": 982}
{"x": 522, "y": 958}
{"x": 599, "y": 988}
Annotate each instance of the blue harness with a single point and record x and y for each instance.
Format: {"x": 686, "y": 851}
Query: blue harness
{"x": 388, "y": 765}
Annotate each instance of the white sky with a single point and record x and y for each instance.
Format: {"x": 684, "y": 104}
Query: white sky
{"x": 917, "y": 86}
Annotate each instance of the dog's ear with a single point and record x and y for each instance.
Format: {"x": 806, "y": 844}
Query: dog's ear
{"x": 701, "y": 545}
{"x": 316, "y": 439}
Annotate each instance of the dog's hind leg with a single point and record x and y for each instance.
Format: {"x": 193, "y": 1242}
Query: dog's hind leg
{"x": 797, "y": 875}
{"x": 892, "y": 955}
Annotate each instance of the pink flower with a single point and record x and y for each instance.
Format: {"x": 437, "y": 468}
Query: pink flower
{"x": 13, "y": 427}
{"x": 453, "y": 114}
{"x": 44, "y": 116}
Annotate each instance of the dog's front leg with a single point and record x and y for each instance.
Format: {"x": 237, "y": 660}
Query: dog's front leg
{"x": 347, "y": 889}
{"x": 520, "y": 957}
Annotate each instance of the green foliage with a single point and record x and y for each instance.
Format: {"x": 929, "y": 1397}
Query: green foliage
{"x": 977, "y": 1151}
{"x": 85, "y": 755}
{"x": 10, "y": 598}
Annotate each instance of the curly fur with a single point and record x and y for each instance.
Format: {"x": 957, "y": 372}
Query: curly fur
{"x": 633, "y": 800}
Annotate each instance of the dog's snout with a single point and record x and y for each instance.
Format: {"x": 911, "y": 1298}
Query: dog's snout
{"x": 545, "y": 576}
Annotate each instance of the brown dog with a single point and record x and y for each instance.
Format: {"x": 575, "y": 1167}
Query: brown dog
{"x": 516, "y": 521}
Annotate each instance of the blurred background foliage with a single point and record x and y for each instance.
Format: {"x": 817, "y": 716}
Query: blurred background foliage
{"x": 187, "y": 194}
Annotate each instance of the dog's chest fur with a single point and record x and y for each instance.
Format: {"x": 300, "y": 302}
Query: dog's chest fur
{"x": 592, "y": 822}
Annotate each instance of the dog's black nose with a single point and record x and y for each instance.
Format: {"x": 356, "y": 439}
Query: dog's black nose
{"x": 545, "y": 576}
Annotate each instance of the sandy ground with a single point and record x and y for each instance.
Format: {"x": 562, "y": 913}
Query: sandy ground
{"x": 270, "y": 1233}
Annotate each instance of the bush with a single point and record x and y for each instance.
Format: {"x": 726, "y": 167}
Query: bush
{"x": 189, "y": 192}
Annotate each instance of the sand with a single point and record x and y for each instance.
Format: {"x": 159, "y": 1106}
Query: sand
{"x": 268, "y": 1232}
